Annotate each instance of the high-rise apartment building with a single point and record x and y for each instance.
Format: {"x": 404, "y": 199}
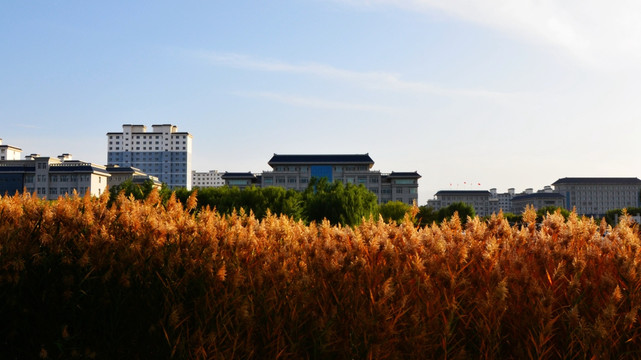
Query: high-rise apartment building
{"x": 164, "y": 152}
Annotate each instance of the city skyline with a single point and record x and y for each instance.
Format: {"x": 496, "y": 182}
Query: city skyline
{"x": 505, "y": 94}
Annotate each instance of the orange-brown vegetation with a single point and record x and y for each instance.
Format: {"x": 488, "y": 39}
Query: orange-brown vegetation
{"x": 139, "y": 279}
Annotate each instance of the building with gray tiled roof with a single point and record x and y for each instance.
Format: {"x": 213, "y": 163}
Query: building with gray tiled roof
{"x": 594, "y": 196}
{"x": 294, "y": 171}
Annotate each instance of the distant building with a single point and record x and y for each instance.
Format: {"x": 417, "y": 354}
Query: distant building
{"x": 538, "y": 200}
{"x": 592, "y": 196}
{"x": 50, "y": 178}
{"x": 501, "y": 201}
{"x": 212, "y": 178}
{"x": 8, "y": 152}
{"x": 478, "y": 199}
{"x": 295, "y": 172}
{"x": 120, "y": 174}
{"x": 241, "y": 180}
{"x": 164, "y": 152}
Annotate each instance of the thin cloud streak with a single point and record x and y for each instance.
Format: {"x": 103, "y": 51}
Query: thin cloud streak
{"x": 600, "y": 34}
{"x": 371, "y": 80}
{"x": 314, "y": 102}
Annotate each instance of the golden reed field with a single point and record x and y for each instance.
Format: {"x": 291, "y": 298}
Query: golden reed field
{"x": 147, "y": 280}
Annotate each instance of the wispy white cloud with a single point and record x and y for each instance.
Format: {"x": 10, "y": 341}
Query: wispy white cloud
{"x": 314, "y": 102}
{"x": 599, "y": 33}
{"x": 370, "y": 80}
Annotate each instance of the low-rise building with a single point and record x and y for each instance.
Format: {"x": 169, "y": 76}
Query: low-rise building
{"x": 8, "y": 152}
{"x": 478, "y": 199}
{"x": 538, "y": 200}
{"x": 241, "y": 180}
{"x": 50, "y": 178}
{"x": 594, "y": 196}
{"x": 212, "y": 178}
{"x": 296, "y": 171}
{"x": 120, "y": 174}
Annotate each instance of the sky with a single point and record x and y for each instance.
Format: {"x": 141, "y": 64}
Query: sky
{"x": 472, "y": 94}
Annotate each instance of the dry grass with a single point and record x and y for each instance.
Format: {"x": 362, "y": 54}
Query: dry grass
{"x": 79, "y": 279}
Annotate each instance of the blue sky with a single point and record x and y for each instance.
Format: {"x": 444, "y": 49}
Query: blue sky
{"x": 505, "y": 93}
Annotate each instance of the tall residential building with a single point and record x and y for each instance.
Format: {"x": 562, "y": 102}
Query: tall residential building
{"x": 212, "y": 178}
{"x": 595, "y": 196}
{"x": 164, "y": 152}
{"x": 295, "y": 172}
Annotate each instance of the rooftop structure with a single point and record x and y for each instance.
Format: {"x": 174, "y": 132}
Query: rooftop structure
{"x": 8, "y": 152}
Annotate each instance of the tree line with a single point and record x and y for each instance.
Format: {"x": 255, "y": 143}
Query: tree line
{"x": 345, "y": 204}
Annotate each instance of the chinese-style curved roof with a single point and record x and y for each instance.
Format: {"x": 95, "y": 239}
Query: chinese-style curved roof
{"x": 321, "y": 159}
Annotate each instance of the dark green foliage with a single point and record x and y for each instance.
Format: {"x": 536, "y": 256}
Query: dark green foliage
{"x": 426, "y": 215}
{"x": 394, "y": 211}
{"x": 542, "y": 212}
{"x": 138, "y": 191}
{"x": 464, "y": 210}
{"x": 257, "y": 200}
{"x": 611, "y": 216}
{"x": 338, "y": 203}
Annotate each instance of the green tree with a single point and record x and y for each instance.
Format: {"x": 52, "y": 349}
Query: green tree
{"x": 464, "y": 210}
{"x": 426, "y": 215}
{"x": 226, "y": 199}
{"x": 394, "y": 211}
{"x": 338, "y": 203}
{"x": 542, "y": 212}
{"x": 138, "y": 191}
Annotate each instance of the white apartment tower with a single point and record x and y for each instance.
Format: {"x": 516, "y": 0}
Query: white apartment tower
{"x": 164, "y": 152}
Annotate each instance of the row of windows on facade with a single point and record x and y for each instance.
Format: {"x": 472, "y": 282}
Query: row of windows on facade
{"x": 55, "y": 178}
{"x": 307, "y": 169}
{"x": 350, "y": 180}
{"x": 150, "y": 142}
{"x": 59, "y": 191}
{"x": 374, "y": 190}
{"x": 149, "y": 136}
{"x": 147, "y": 148}
{"x": 600, "y": 187}
{"x": 174, "y": 158}
{"x": 603, "y": 193}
